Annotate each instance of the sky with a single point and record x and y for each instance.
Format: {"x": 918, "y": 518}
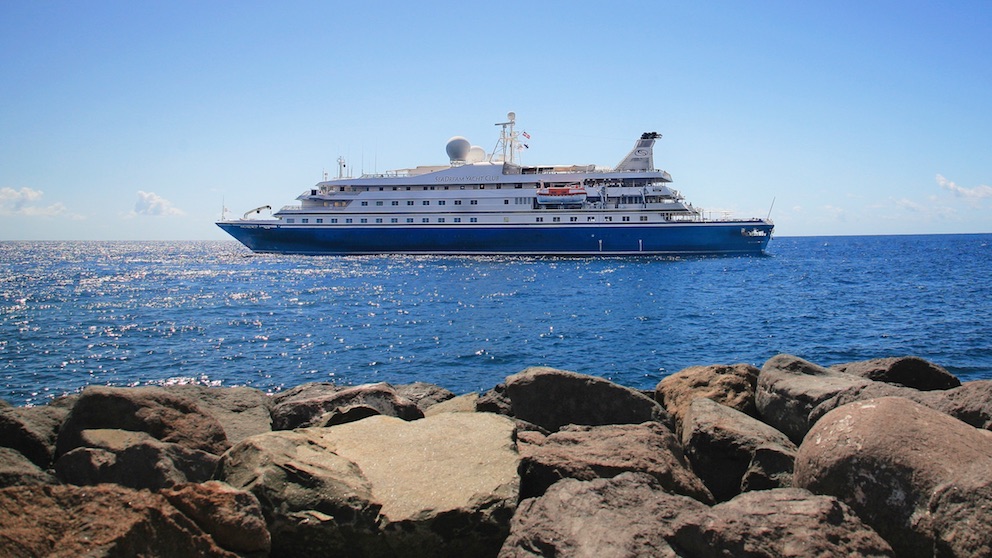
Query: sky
{"x": 141, "y": 120}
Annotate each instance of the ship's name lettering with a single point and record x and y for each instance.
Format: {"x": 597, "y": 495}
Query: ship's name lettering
{"x": 481, "y": 178}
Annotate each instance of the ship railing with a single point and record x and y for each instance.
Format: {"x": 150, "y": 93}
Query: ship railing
{"x": 291, "y": 208}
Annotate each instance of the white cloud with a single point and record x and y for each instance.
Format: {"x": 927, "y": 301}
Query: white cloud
{"x": 150, "y": 203}
{"x": 976, "y": 193}
{"x": 23, "y": 202}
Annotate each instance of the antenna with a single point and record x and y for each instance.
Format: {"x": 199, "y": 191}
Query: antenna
{"x": 507, "y": 140}
{"x": 769, "y": 218}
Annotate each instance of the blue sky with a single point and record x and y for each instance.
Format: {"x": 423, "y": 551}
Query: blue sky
{"x": 137, "y": 120}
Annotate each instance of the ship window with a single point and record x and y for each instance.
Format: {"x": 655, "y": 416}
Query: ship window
{"x": 458, "y": 202}
{"x": 380, "y": 188}
{"x": 499, "y": 187}
{"x": 304, "y": 220}
{"x": 445, "y": 187}
{"x": 334, "y": 220}
{"x": 573, "y": 219}
{"x": 473, "y": 202}
{"x": 409, "y": 219}
{"x": 626, "y": 218}
{"x": 458, "y": 219}
{"x": 395, "y": 188}
{"x": 540, "y": 219}
{"x": 313, "y": 192}
{"x": 394, "y": 220}
{"x": 364, "y": 220}
{"x": 407, "y": 187}
{"x": 473, "y": 219}
{"x": 425, "y": 202}
{"x": 290, "y": 220}
{"x": 364, "y": 203}
{"x": 590, "y": 218}
{"x": 320, "y": 220}
{"x": 378, "y": 220}
{"x": 425, "y": 220}
{"x": 506, "y": 202}
{"x": 482, "y": 186}
{"x": 440, "y": 219}
{"x": 518, "y": 186}
{"x": 608, "y": 218}
{"x": 347, "y": 220}
{"x": 556, "y": 219}
{"x": 395, "y": 202}
{"x": 644, "y": 217}
{"x": 378, "y": 202}
{"x": 409, "y": 202}
{"x": 441, "y": 202}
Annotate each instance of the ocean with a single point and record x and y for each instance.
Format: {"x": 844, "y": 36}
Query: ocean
{"x": 74, "y": 314}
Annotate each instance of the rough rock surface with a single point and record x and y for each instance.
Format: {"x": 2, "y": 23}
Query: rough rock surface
{"x": 627, "y": 515}
{"x": 165, "y": 416}
{"x": 789, "y": 388}
{"x": 908, "y": 371}
{"x": 960, "y": 514}
{"x": 16, "y": 469}
{"x": 233, "y": 518}
{"x": 971, "y": 403}
{"x": 242, "y": 411}
{"x": 444, "y": 485}
{"x": 334, "y": 408}
{"x": 730, "y": 385}
{"x": 106, "y": 520}
{"x": 885, "y": 458}
{"x": 721, "y": 443}
{"x": 423, "y": 394}
{"x": 461, "y": 404}
{"x": 132, "y": 459}
{"x": 590, "y": 452}
{"x": 552, "y": 398}
{"x": 32, "y": 431}
{"x": 780, "y": 522}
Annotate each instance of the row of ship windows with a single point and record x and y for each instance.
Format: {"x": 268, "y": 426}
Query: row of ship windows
{"x": 517, "y": 201}
{"x": 573, "y": 219}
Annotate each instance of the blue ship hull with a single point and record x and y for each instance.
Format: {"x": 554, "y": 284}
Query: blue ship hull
{"x": 724, "y": 237}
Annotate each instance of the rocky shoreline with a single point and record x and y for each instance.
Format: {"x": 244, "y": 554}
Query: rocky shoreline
{"x": 889, "y": 457}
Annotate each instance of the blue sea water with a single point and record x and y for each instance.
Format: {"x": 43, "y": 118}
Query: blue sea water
{"x": 133, "y": 313}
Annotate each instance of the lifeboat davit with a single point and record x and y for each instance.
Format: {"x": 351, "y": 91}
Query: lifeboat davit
{"x": 561, "y": 196}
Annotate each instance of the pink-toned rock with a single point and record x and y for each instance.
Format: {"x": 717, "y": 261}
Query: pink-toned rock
{"x": 106, "y": 520}
{"x": 32, "y": 431}
{"x": 730, "y": 385}
{"x": 887, "y": 458}
{"x": 337, "y": 406}
{"x": 232, "y": 517}
{"x": 590, "y": 452}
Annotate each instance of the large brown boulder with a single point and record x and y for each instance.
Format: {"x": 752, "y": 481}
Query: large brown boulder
{"x": 446, "y": 485}
{"x": 960, "y": 513}
{"x": 908, "y": 371}
{"x": 132, "y": 459}
{"x": 789, "y": 388}
{"x": 32, "y": 431}
{"x": 590, "y": 452}
{"x": 241, "y": 411}
{"x": 720, "y": 444}
{"x": 730, "y": 385}
{"x": 780, "y": 522}
{"x": 105, "y": 520}
{"x": 16, "y": 469}
{"x": 887, "y": 459}
{"x": 233, "y": 518}
{"x": 552, "y": 398}
{"x": 163, "y": 415}
{"x": 971, "y": 403}
{"x": 627, "y": 515}
{"x": 342, "y": 406}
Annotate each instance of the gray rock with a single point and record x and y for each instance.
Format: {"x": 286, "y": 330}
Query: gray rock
{"x": 624, "y": 516}
{"x": 552, "y": 398}
{"x": 132, "y": 459}
{"x": 885, "y": 458}
{"x": 333, "y": 407}
{"x": 32, "y": 431}
{"x": 789, "y": 388}
{"x": 908, "y": 371}
{"x": 242, "y": 411}
{"x": 590, "y": 452}
{"x": 731, "y": 385}
{"x": 721, "y": 443}
{"x": 446, "y": 485}
{"x": 16, "y": 469}
{"x": 165, "y": 416}
{"x": 780, "y": 522}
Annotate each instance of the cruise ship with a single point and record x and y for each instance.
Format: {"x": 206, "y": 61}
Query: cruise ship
{"x": 487, "y": 203}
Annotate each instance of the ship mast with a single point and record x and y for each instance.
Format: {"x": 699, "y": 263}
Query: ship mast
{"x": 507, "y": 143}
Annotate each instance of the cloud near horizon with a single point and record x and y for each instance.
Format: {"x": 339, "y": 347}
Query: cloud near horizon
{"x": 23, "y": 202}
{"x": 150, "y": 203}
{"x": 978, "y": 192}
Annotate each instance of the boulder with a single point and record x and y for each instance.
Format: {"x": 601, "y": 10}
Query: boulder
{"x": 165, "y": 416}
{"x": 627, "y": 515}
{"x": 446, "y": 485}
{"x": 909, "y": 371}
{"x": 233, "y": 518}
{"x": 731, "y": 385}
{"x": 872, "y": 390}
{"x": 720, "y": 444}
{"x": 780, "y": 522}
{"x": 960, "y": 513}
{"x": 461, "y": 404}
{"x": 552, "y": 398}
{"x": 591, "y": 452}
{"x": 423, "y": 395}
{"x": 971, "y": 403}
{"x": 310, "y": 390}
{"x": 32, "y": 431}
{"x": 770, "y": 467}
{"x": 333, "y": 407}
{"x": 495, "y": 401}
{"x": 132, "y": 459}
{"x": 885, "y": 458}
{"x": 16, "y": 469}
{"x": 105, "y": 520}
{"x": 789, "y": 388}
{"x": 242, "y": 411}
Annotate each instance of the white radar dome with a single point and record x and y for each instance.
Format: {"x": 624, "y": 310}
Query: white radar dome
{"x": 476, "y": 154}
{"x": 458, "y": 148}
